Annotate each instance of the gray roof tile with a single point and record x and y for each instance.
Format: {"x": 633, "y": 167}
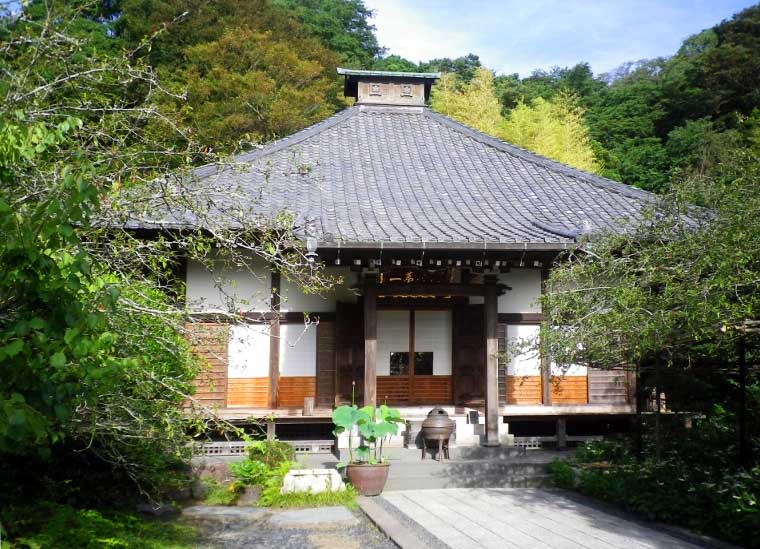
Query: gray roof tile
{"x": 407, "y": 175}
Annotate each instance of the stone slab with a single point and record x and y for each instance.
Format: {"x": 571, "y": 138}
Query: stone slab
{"x": 316, "y": 516}
{"x": 488, "y": 517}
{"x": 222, "y": 512}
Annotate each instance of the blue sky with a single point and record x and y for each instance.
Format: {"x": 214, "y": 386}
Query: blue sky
{"x": 522, "y": 35}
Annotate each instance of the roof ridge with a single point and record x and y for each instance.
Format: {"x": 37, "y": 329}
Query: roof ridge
{"x": 504, "y": 146}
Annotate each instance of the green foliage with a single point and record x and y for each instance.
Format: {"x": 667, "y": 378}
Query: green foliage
{"x": 555, "y": 129}
{"x": 342, "y": 25}
{"x": 562, "y": 474}
{"x": 679, "y": 490}
{"x": 270, "y": 493}
{"x": 374, "y": 425}
{"x": 250, "y": 70}
{"x": 270, "y": 452}
{"x": 52, "y": 525}
{"x": 663, "y": 289}
{"x": 220, "y": 494}
{"x": 346, "y": 498}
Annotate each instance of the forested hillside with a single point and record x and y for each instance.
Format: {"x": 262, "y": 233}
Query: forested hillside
{"x": 253, "y": 71}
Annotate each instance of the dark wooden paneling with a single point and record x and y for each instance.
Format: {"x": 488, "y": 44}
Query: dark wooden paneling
{"x": 431, "y": 390}
{"x": 607, "y": 386}
{"x": 501, "y": 333}
{"x": 521, "y": 318}
{"x": 326, "y": 364}
{"x": 209, "y": 342}
{"x": 293, "y": 389}
{"x": 469, "y": 360}
{"x": 569, "y": 390}
{"x": 249, "y": 391}
{"x": 349, "y": 351}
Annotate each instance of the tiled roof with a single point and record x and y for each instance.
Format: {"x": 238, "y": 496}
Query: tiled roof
{"x": 409, "y": 177}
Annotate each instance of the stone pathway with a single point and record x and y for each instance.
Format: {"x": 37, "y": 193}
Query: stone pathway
{"x": 469, "y": 518}
{"x": 318, "y": 528}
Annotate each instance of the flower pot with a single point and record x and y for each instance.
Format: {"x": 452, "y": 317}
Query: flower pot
{"x": 368, "y": 479}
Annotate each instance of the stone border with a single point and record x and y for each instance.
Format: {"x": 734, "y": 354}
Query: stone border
{"x": 389, "y": 525}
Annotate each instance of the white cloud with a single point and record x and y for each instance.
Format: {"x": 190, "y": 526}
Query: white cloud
{"x": 519, "y": 36}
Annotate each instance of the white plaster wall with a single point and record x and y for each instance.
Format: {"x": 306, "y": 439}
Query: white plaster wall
{"x": 525, "y": 292}
{"x": 228, "y": 289}
{"x": 294, "y": 300}
{"x": 432, "y": 332}
{"x": 298, "y": 350}
{"x": 392, "y": 336}
{"x": 568, "y": 370}
{"x": 248, "y": 351}
{"x": 527, "y": 361}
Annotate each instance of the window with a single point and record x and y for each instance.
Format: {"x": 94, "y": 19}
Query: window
{"x": 406, "y": 90}
{"x": 399, "y": 363}
{"x": 423, "y": 364}
{"x": 374, "y": 89}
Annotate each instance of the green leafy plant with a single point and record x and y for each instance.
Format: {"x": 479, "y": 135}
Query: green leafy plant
{"x": 48, "y": 524}
{"x": 374, "y": 425}
{"x": 220, "y": 494}
{"x": 562, "y": 474}
{"x": 270, "y": 452}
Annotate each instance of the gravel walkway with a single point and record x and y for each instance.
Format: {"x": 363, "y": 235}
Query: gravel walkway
{"x": 319, "y": 528}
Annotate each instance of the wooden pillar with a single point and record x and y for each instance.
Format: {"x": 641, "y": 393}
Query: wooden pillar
{"x": 492, "y": 363}
{"x": 546, "y": 367}
{"x": 274, "y": 342}
{"x": 370, "y": 340}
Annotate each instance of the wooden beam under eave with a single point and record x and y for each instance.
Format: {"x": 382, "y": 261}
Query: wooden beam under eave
{"x": 274, "y": 341}
{"x": 394, "y": 289}
{"x": 370, "y": 340}
{"x": 492, "y": 362}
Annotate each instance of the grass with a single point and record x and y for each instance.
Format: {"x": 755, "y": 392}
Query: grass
{"x": 51, "y": 525}
{"x": 345, "y": 497}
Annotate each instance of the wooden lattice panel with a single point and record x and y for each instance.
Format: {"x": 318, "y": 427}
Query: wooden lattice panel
{"x": 208, "y": 341}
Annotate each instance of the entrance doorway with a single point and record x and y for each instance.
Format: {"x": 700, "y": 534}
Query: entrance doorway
{"x": 414, "y": 356}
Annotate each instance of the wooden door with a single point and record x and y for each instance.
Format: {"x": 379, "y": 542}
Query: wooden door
{"x": 326, "y": 376}
{"x": 469, "y": 360}
{"x": 349, "y": 352}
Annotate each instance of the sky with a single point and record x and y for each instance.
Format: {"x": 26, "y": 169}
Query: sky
{"x": 522, "y": 35}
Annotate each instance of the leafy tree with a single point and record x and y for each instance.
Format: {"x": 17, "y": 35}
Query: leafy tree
{"x": 250, "y": 69}
{"x": 94, "y": 362}
{"x": 342, "y": 25}
{"x": 395, "y": 63}
{"x": 555, "y": 129}
{"x": 472, "y": 103}
{"x": 466, "y": 67}
{"x": 668, "y": 291}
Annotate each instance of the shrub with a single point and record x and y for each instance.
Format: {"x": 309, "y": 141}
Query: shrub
{"x": 562, "y": 474}
{"x": 270, "y": 452}
{"x": 220, "y": 494}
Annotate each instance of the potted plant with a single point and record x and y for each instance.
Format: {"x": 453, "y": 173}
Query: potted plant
{"x": 366, "y": 468}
